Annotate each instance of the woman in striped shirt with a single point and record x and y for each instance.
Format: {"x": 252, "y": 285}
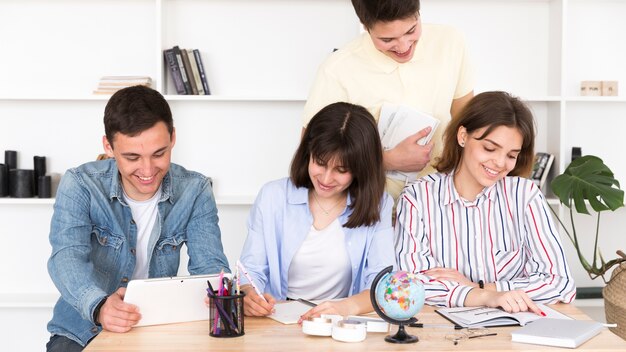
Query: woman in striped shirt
{"x": 477, "y": 233}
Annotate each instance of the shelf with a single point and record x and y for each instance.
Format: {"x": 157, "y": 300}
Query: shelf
{"x": 226, "y": 200}
{"x": 600, "y": 99}
{"x": 28, "y": 300}
{"x": 216, "y": 98}
{"x": 24, "y": 201}
{"x": 233, "y": 98}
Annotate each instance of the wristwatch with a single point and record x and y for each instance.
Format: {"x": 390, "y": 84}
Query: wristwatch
{"x": 96, "y": 312}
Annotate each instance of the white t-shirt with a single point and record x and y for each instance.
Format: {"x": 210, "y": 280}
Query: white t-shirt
{"x": 321, "y": 268}
{"x": 145, "y": 215}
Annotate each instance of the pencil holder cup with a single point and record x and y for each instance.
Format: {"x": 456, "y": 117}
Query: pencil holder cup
{"x": 226, "y": 315}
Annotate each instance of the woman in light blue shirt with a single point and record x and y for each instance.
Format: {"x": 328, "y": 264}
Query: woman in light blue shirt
{"x": 324, "y": 232}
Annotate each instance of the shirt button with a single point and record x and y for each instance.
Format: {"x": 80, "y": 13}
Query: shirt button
{"x": 104, "y": 240}
{"x": 124, "y": 279}
{"x": 132, "y": 251}
{"x": 94, "y": 329}
{"x": 132, "y": 221}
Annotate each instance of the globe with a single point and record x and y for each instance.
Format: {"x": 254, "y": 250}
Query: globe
{"x": 400, "y": 295}
{"x": 397, "y": 297}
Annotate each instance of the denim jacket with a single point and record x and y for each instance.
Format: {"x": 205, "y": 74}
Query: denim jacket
{"x": 93, "y": 236}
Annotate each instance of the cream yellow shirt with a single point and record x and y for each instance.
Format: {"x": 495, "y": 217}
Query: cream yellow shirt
{"x": 438, "y": 73}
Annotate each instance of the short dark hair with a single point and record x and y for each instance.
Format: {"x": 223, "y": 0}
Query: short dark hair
{"x": 372, "y": 11}
{"x": 491, "y": 110}
{"x": 133, "y": 110}
{"x": 347, "y": 132}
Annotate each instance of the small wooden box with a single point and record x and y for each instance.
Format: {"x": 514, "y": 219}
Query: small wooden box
{"x": 591, "y": 88}
{"x": 609, "y": 88}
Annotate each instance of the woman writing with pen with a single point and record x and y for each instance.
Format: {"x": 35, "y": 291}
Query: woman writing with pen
{"x": 324, "y": 232}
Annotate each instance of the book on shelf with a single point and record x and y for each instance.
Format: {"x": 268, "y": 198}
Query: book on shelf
{"x": 396, "y": 123}
{"x": 183, "y": 72}
{"x": 472, "y": 317}
{"x": 111, "y": 84}
{"x": 195, "y": 72}
{"x": 541, "y": 168}
{"x": 557, "y": 332}
{"x": 187, "y": 64}
{"x": 205, "y": 83}
{"x": 172, "y": 64}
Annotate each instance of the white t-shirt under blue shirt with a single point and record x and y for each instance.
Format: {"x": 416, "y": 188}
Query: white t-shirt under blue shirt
{"x": 320, "y": 269}
{"x": 145, "y": 215}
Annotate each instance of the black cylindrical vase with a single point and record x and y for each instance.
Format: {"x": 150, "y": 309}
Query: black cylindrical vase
{"x": 39, "y": 163}
{"x": 44, "y": 187}
{"x": 4, "y": 180}
{"x": 10, "y": 159}
{"x": 21, "y": 183}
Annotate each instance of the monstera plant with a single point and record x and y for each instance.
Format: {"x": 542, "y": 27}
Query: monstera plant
{"x": 588, "y": 179}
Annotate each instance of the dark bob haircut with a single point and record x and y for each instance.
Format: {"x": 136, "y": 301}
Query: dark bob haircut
{"x": 348, "y": 133}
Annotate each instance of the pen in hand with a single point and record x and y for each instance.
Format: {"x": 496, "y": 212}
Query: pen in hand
{"x": 245, "y": 273}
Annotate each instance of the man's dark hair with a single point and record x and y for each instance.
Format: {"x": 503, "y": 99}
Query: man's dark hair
{"x": 372, "y": 11}
{"x": 133, "y": 110}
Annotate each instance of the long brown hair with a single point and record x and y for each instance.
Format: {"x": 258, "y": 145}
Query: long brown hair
{"x": 347, "y": 132}
{"x": 491, "y": 110}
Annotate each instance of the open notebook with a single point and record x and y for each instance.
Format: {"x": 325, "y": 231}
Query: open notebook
{"x": 469, "y": 317}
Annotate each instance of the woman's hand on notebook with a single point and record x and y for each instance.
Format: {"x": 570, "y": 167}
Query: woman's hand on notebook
{"x": 117, "y": 315}
{"x": 255, "y": 305}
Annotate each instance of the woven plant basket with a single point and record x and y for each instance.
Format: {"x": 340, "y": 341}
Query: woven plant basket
{"x": 614, "y": 294}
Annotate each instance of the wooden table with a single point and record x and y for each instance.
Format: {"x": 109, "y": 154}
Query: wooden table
{"x": 264, "y": 334}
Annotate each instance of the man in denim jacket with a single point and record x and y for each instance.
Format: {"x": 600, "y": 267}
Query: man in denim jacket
{"x": 126, "y": 218}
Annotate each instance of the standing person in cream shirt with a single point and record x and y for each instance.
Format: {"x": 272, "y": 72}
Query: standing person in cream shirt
{"x": 399, "y": 61}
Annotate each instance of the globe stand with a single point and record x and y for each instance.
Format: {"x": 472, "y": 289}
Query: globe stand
{"x": 401, "y": 336}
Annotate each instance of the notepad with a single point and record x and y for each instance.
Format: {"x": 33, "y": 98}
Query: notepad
{"x": 396, "y": 123}
{"x": 289, "y": 312}
{"x": 469, "y": 317}
{"x": 557, "y": 332}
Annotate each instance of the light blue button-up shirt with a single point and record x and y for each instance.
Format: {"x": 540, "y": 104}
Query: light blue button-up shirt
{"x": 278, "y": 224}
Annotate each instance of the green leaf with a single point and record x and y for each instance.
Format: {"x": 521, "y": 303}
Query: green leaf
{"x": 588, "y": 178}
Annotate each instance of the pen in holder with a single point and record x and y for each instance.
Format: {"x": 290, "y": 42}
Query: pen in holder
{"x": 225, "y": 315}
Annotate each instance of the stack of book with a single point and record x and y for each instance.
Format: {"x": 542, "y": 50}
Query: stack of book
{"x": 111, "y": 84}
{"x": 187, "y": 71}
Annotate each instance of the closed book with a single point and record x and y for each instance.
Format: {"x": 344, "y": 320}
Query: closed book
{"x": 194, "y": 70}
{"x": 187, "y": 64}
{"x": 396, "y": 123}
{"x": 205, "y": 83}
{"x": 557, "y": 332}
{"x": 183, "y": 72}
{"x": 172, "y": 64}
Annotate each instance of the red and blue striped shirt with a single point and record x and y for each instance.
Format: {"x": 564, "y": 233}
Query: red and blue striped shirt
{"x": 505, "y": 236}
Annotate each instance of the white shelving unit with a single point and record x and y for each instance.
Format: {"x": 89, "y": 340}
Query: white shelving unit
{"x": 261, "y": 57}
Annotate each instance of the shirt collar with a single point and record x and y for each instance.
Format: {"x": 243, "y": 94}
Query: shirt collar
{"x": 451, "y": 195}
{"x": 116, "y": 190}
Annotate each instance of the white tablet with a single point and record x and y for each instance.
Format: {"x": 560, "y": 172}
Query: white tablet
{"x": 171, "y": 299}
